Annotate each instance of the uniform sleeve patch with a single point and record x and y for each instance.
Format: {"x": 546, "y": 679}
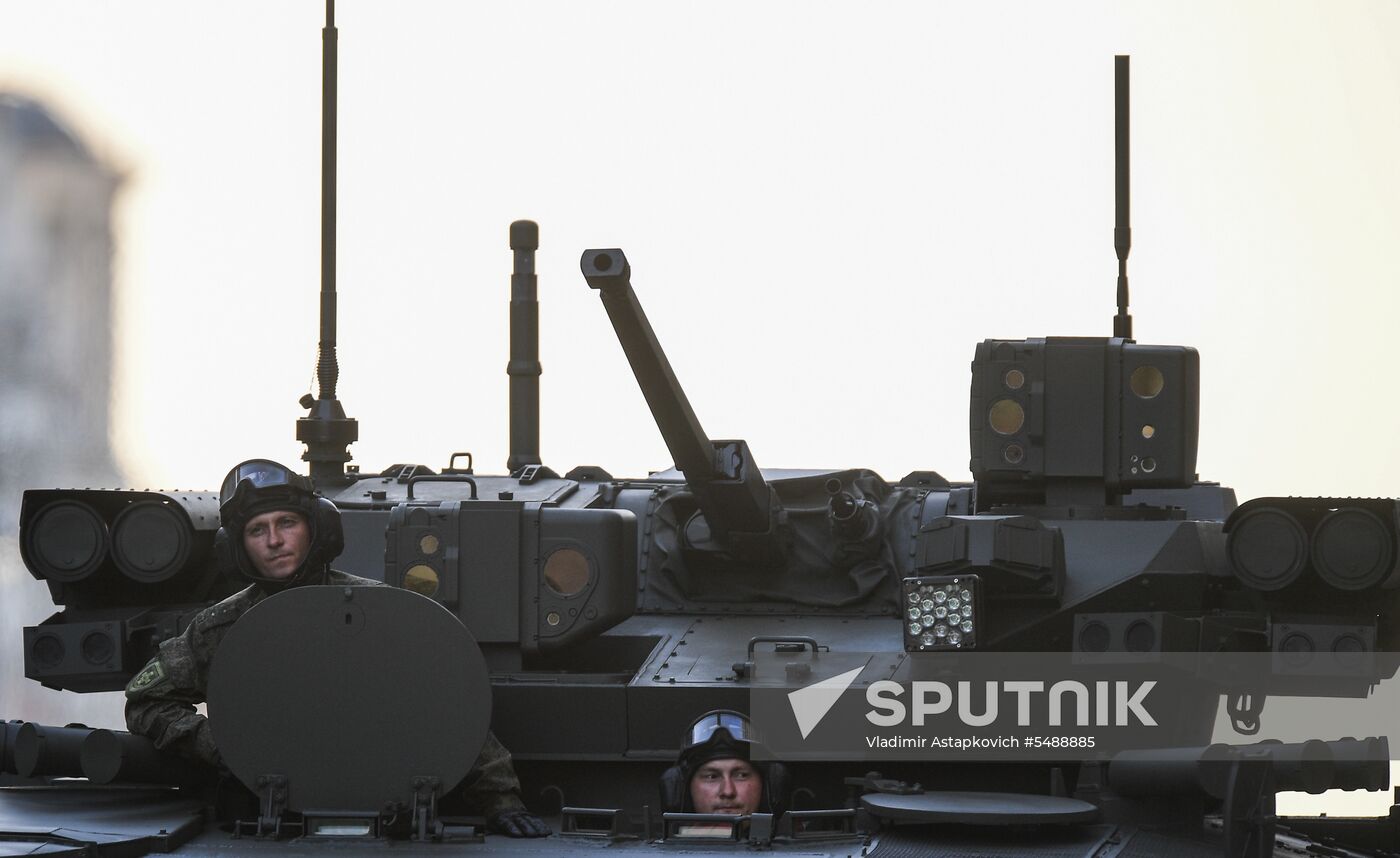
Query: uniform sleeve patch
{"x": 151, "y": 674}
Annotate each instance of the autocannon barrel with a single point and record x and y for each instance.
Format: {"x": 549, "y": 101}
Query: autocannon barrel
{"x": 1313, "y": 766}
{"x": 609, "y": 272}
{"x": 736, "y": 503}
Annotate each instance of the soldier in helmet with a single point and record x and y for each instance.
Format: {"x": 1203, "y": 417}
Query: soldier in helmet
{"x": 278, "y": 533}
{"x": 715, "y": 772}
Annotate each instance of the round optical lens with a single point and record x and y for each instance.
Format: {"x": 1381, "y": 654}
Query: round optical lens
{"x": 955, "y": 638}
{"x": 1146, "y": 382}
{"x": 1006, "y": 417}
{"x": 566, "y": 571}
{"x": 915, "y": 628}
{"x": 421, "y": 578}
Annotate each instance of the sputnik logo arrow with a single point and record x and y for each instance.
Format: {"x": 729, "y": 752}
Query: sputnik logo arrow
{"x": 810, "y": 704}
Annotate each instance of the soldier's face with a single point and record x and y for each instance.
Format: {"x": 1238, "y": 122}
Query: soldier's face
{"x": 726, "y": 786}
{"x": 277, "y": 542}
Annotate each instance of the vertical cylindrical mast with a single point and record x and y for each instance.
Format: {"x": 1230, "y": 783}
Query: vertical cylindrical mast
{"x": 524, "y": 367}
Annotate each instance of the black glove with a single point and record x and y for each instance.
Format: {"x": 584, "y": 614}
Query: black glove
{"x": 518, "y": 822}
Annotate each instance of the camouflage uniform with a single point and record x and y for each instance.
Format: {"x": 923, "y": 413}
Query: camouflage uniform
{"x": 160, "y": 700}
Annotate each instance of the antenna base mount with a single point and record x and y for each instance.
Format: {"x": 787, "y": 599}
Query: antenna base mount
{"x": 327, "y": 434}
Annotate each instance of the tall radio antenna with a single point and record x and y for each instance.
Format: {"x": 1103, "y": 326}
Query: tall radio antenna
{"x": 325, "y": 430}
{"x": 1122, "y": 233}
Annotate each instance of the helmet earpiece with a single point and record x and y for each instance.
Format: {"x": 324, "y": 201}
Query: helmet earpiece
{"x": 328, "y": 540}
{"x": 675, "y": 790}
{"x": 777, "y": 784}
{"x": 224, "y": 559}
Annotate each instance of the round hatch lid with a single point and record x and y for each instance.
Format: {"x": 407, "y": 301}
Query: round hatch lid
{"x": 979, "y": 808}
{"x": 350, "y": 693}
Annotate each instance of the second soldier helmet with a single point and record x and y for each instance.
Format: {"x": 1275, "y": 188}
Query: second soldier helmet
{"x": 721, "y": 734}
{"x": 257, "y": 486}
{"x": 717, "y": 735}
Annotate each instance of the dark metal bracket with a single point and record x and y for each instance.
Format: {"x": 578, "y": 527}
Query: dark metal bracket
{"x": 603, "y": 823}
{"x": 273, "y": 792}
{"x": 452, "y": 464}
{"x": 528, "y": 474}
{"x": 441, "y": 478}
{"x": 426, "y": 825}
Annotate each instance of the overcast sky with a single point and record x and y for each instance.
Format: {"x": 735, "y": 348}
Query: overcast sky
{"x": 825, "y": 204}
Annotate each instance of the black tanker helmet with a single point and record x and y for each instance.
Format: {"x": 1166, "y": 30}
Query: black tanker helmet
{"x": 720, "y": 734}
{"x": 258, "y": 486}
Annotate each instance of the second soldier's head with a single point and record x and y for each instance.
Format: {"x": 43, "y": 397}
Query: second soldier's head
{"x": 715, "y": 760}
{"x": 274, "y": 528}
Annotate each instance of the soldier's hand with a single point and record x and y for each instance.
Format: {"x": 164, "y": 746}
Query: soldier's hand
{"x": 518, "y": 823}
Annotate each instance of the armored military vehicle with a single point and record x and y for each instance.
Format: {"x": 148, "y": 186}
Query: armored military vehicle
{"x": 1030, "y": 663}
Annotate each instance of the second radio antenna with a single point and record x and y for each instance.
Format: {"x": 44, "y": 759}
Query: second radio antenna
{"x": 1122, "y": 233}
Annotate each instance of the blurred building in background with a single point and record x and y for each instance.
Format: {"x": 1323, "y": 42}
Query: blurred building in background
{"x": 55, "y": 364}
{"x": 55, "y": 307}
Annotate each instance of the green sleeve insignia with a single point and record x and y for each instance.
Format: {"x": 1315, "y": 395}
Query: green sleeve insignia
{"x": 152, "y": 674}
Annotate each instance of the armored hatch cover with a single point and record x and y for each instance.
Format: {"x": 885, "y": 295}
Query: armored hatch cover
{"x": 343, "y": 692}
{"x": 979, "y": 808}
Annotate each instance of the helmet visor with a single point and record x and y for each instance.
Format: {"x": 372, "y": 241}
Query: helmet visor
{"x": 736, "y": 724}
{"x": 260, "y": 474}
